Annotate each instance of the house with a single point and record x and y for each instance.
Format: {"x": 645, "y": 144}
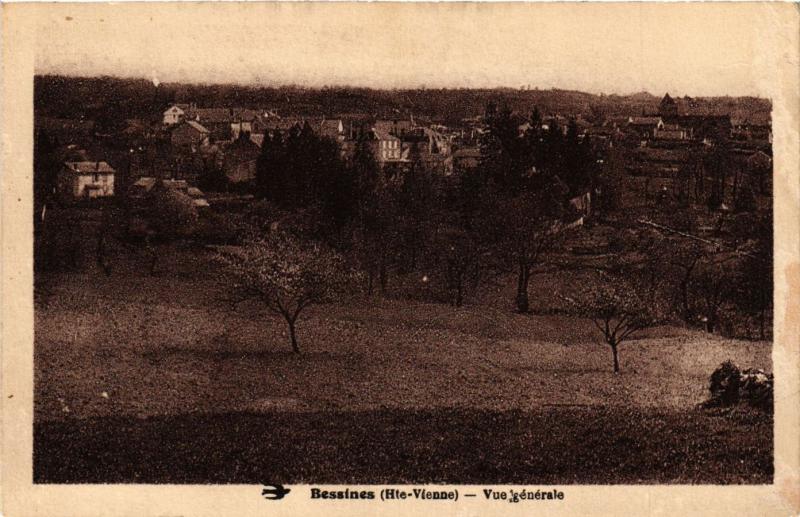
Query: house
{"x": 706, "y": 127}
{"x": 261, "y": 121}
{"x": 759, "y": 160}
{"x": 756, "y": 126}
{"x": 218, "y": 121}
{"x": 437, "y": 142}
{"x": 645, "y": 127}
{"x": 658, "y": 162}
{"x": 239, "y": 160}
{"x": 272, "y": 126}
{"x": 173, "y": 115}
{"x": 147, "y": 186}
{"x": 388, "y": 148}
{"x": 671, "y": 132}
{"x": 86, "y": 180}
{"x": 332, "y": 128}
{"x": 141, "y": 188}
{"x": 465, "y": 159}
{"x": 398, "y": 128}
{"x": 701, "y": 122}
{"x": 582, "y": 204}
{"x": 257, "y": 138}
{"x": 668, "y": 108}
{"x": 245, "y": 120}
{"x": 189, "y": 134}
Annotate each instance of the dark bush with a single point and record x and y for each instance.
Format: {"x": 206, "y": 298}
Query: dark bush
{"x": 757, "y": 388}
{"x": 724, "y": 383}
{"x": 214, "y": 228}
{"x": 729, "y": 385}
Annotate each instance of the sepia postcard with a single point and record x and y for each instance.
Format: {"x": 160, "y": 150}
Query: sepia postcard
{"x": 297, "y": 258}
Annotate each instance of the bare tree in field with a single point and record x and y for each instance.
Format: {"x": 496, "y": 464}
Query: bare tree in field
{"x": 287, "y": 275}
{"x": 619, "y": 309}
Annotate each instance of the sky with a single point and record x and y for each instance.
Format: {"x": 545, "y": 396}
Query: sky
{"x": 684, "y": 49}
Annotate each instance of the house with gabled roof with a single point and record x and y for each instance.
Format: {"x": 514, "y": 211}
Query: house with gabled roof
{"x": 173, "y": 115}
{"x": 239, "y": 160}
{"x": 189, "y": 134}
{"x": 86, "y": 179}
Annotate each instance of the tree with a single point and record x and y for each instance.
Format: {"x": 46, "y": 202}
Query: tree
{"x": 578, "y": 161}
{"x": 171, "y": 215}
{"x": 459, "y": 261}
{"x": 713, "y": 286}
{"x": 378, "y": 237}
{"x": 717, "y": 166}
{"x": 505, "y": 157}
{"x": 619, "y": 308}
{"x": 754, "y": 286}
{"x": 610, "y": 184}
{"x": 45, "y": 177}
{"x": 416, "y": 199}
{"x": 287, "y": 275}
{"x": 683, "y": 256}
{"x": 523, "y": 228}
{"x": 212, "y": 177}
{"x": 271, "y": 169}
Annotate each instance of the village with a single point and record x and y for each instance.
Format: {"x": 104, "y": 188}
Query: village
{"x": 425, "y": 265}
{"x": 659, "y": 146}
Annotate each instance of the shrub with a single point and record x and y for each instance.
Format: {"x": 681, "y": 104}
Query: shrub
{"x": 757, "y": 388}
{"x": 213, "y": 228}
{"x": 729, "y": 385}
{"x": 724, "y": 383}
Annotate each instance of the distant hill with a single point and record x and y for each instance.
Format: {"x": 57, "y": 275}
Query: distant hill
{"x": 109, "y": 97}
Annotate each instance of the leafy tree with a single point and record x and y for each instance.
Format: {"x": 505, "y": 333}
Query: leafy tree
{"x": 271, "y": 169}
{"x": 578, "y": 161}
{"x": 172, "y": 214}
{"x": 303, "y": 170}
{"x": 610, "y": 184}
{"x": 754, "y": 288}
{"x": 377, "y": 229}
{"x": 287, "y": 275}
{"x": 365, "y": 173}
{"x": 45, "y": 174}
{"x": 377, "y": 240}
{"x": 717, "y": 166}
{"x": 619, "y": 308}
{"x": 525, "y": 227}
{"x": 212, "y": 177}
{"x": 459, "y": 260}
{"x": 505, "y": 157}
{"x": 712, "y": 288}
{"x": 416, "y": 200}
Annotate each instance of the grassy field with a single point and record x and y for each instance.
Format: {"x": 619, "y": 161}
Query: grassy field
{"x": 142, "y": 378}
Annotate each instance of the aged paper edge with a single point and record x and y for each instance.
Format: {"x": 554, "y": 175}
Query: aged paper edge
{"x": 777, "y": 63}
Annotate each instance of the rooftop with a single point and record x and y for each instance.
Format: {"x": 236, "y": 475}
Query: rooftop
{"x": 90, "y": 167}
{"x": 197, "y": 126}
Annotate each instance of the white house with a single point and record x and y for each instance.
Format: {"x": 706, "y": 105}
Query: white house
{"x": 86, "y": 179}
{"x": 173, "y": 115}
{"x": 389, "y": 147}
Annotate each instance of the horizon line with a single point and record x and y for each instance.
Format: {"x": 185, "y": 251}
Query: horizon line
{"x": 354, "y": 85}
